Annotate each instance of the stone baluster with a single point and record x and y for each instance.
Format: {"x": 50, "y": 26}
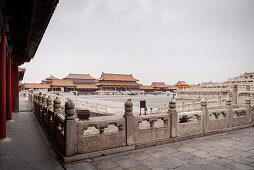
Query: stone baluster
{"x": 40, "y": 98}
{"x": 248, "y": 108}
{"x": 130, "y": 122}
{"x": 248, "y": 90}
{"x": 205, "y": 114}
{"x": 70, "y": 129}
{"x": 234, "y": 94}
{"x": 44, "y": 100}
{"x": 57, "y": 106}
{"x": 50, "y": 103}
{"x": 183, "y": 104}
{"x": 173, "y": 118}
{"x": 230, "y": 113}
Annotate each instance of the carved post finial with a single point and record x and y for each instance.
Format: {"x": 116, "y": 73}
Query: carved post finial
{"x": 203, "y": 102}
{"x": 69, "y": 110}
{"x": 44, "y": 100}
{"x": 50, "y": 103}
{"x": 172, "y": 104}
{"x": 228, "y": 102}
{"x": 128, "y": 107}
{"x": 40, "y": 98}
{"x": 57, "y": 106}
{"x": 247, "y": 101}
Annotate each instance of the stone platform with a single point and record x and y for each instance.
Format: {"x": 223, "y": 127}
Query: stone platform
{"x": 26, "y": 146}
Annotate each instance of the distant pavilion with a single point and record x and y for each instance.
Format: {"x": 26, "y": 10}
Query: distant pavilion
{"x": 160, "y": 86}
{"x": 81, "y": 78}
{"x": 118, "y": 82}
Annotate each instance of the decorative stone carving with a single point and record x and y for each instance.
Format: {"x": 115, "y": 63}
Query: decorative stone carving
{"x": 203, "y": 102}
{"x": 44, "y": 100}
{"x": 50, "y": 103}
{"x": 247, "y": 101}
{"x": 69, "y": 110}
{"x": 57, "y": 106}
{"x": 172, "y": 104}
{"x": 40, "y": 98}
{"x": 228, "y": 102}
{"x": 128, "y": 108}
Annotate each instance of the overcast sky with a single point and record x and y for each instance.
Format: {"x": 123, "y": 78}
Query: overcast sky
{"x": 155, "y": 40}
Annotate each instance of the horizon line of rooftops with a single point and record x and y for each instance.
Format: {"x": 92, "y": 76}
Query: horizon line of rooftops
{"x": 107, "y": 81}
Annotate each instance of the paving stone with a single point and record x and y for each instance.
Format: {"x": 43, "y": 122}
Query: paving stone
{"x": 220, "y": 160}
{"x": 187, "y": 149}
{"x": 198, "y": 161}
{"x": 105, "y": 164}
{"x": 214, "y": 166}
{"x": 222, "y": 153}
{"x": 77, "y": 166}
{"x": 189, "y": 167}
{"x": 238, "y": 166}
{"x": 152, "y": 162}
{"x": 160, "y": 155}
{"x": 127, "y": 163}
{"x": 174, "y": 162}
{"x": 140, "y": 167}
{"x": 119, "y": 158}
{"x": 139, "y": 156}
{"x": 182, "y": 155}
{"x": 201, "y": 154}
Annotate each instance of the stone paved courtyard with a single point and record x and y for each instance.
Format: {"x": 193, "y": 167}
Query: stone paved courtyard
{"x": 231, "y": 150}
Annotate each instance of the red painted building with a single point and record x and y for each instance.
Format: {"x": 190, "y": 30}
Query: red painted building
{"x": 23, "y": 24}
{"x": 160, "y": 86}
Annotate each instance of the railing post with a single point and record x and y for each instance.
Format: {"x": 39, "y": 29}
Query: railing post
{"x": 234, "y": 94}
{"x": 70, "y": 128}
{"x": 57, "y": 106}
{"x": 248, "y": 106}
{"x": 44, "y": 100}
{"x": 205, "y": 114}
{"x": 173, "y": 118}
{"x": 40, "y": 99}
{"x": 50, "y": 103}
{"x": 130, "y": 122}
{"x": 230, "y": 114}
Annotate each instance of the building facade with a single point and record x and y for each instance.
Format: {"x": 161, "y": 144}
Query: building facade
{"x": 118, "y": 82}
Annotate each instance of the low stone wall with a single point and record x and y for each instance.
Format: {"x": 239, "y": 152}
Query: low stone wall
{"x": 110, "y": 134}
{"x": 151, "y": 128}
{"x": 99, "y": 134}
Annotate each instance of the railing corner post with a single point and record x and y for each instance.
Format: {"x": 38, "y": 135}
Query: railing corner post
{"x": 130, "y": 122}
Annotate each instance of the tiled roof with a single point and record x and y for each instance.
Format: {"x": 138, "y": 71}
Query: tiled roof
{"x": 62, "y": 83}
{"x": 159, "y": 85}
{"x": 36, "y": 86}
{"x": 21, "y": 69}
{"x": 86, "y": 86}
{"x": 118, "y": 84}
{"x": 172, "y": 87}
{"x": 117, "y": 77}
{"x": 146, "y": 88}
{"x": 248, "y": 74}
{"x": 79, "y": 76}
{"x": 195, "y": 87}
{"x": 52, "y": 78}
{"x": 181, "y": 83}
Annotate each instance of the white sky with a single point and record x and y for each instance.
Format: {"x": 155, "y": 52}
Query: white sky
{"x": 155, "y": 40}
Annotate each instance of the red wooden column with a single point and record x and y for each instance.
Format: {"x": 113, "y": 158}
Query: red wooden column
{"x": 15, "y": 88}
{"x": 8, "y": 90}
{"x": 3, "y": 85}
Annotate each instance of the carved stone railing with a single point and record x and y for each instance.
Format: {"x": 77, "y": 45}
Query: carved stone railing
{"x": 189, "y": 123}
{"x": 99, "y": 134}
{"x": 150, "y": 128}
{"x": 104, "y": 135}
